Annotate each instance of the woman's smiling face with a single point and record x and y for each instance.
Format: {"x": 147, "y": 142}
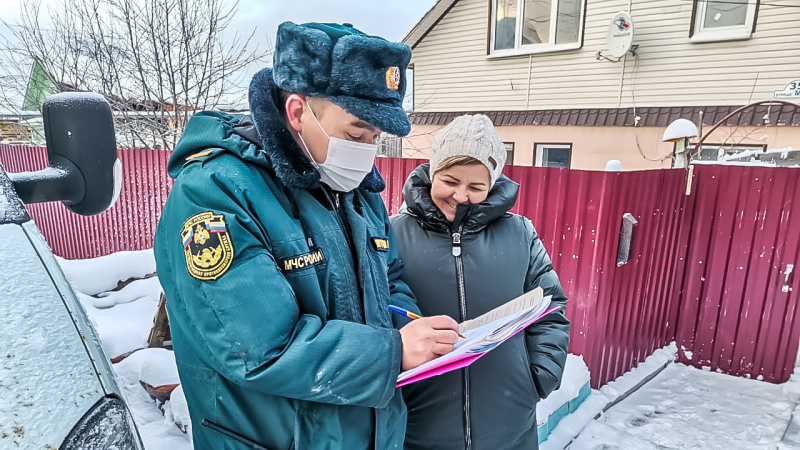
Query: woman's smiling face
{"x": 462, "y": 183}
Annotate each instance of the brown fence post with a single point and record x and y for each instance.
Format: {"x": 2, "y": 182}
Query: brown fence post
{"x": 160, "y": 331}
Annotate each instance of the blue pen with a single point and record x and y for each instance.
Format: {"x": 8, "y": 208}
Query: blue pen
{"x": 413, "y": 316}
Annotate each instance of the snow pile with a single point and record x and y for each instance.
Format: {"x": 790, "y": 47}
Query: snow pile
{"x": 742, "y": 156}
{"x": 152, "y": 423}
{"x": 176, "y": 414}
{"x": 638, "y": 375}
{"x": 784, "y": 152}
{"x": 137, "y": 290}
{"x": 97, "y": 275}
{"x": 125, "y": 325}
{"x": 158, "y": 375}
{"x": 159, "y": 368}
{"x": 752, "y": 158}
{"x": 576, "y": 375}
{"x": 123, "y": 319}
{"x": 751, "y": 162}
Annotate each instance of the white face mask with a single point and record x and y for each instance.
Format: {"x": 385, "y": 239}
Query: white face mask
{"x": 347, "y": 164}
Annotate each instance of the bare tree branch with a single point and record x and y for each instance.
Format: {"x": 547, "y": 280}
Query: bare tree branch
{"x": 156, "y": 61}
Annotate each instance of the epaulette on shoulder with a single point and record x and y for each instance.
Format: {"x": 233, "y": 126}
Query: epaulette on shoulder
{"x": 200, "y": 156}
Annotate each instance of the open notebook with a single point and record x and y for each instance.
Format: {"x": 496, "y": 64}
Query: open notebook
{"x": 484, "y": 334}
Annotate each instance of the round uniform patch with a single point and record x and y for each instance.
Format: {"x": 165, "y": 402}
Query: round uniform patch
{"x": 393, "y": 78}
{"x": 207, "y": 246}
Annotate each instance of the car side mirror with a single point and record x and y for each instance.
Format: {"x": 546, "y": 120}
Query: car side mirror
{"x": 84, "y": 172}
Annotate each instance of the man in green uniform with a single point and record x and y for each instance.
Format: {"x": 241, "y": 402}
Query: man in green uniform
{"x": 276, "y": 255}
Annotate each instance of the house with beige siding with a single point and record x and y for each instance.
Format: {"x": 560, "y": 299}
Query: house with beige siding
{"x": 542, "y": 70}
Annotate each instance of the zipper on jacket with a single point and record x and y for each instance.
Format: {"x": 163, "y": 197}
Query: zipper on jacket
{"x": 335, "y": 202}
{"x": 342, "y": 223}
{"x": 462, "y": 299}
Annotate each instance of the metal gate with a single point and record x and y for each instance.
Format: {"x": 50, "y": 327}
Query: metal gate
{"x": 739, "y": 290}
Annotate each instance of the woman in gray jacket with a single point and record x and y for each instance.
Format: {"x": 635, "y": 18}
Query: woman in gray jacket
{"x": 464, "y": 255}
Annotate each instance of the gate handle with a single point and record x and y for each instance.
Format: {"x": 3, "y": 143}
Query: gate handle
{"x": 787, "y": 274}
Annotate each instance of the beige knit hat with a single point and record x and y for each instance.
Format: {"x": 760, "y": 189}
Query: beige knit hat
{"x": 473, "y": 136}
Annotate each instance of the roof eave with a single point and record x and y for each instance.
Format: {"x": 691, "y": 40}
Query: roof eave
{"x": 428, "y": 21}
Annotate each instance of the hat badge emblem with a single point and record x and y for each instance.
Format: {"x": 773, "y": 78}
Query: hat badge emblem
{"x": 393, "y": 78}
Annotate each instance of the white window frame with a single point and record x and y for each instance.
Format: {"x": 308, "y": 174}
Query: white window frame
{"x": 540, "y": 152}
{"x": 730, "y": 33}
{"x": 509, "y": 148}
{"x": 391, "y": 146}
{"x": 519, "y": 48}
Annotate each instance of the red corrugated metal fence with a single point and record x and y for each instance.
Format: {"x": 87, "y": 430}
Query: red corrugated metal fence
{"x": 128, "y": 225}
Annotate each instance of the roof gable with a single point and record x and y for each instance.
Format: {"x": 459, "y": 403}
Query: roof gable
{"x": 428, "y": 21}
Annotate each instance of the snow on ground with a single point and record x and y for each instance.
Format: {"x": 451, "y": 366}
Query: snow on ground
{"x": 573, "y": 424}
{"x": 681, "y": 408}
{"x": 684, "y": 407}
{"x": 123, "y": 320}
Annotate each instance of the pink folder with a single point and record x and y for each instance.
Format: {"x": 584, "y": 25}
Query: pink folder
{"x": 466, "y": 359}
{"x": 451, "y": 366}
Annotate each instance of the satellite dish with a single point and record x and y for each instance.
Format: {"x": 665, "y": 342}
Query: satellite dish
{"x": 620, "y": 35}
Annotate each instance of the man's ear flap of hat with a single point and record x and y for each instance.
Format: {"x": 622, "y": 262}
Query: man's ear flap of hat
{"x": 302, "y": 59}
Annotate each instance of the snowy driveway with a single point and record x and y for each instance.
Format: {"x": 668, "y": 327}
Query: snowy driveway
{"x": 688, "y": 408}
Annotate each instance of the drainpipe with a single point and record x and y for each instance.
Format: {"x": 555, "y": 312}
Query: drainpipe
{"x": 700, "y": 124}
{"x": 528, "y": 94}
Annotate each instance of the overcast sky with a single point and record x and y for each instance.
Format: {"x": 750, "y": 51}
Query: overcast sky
{"x": 389, "y": 19}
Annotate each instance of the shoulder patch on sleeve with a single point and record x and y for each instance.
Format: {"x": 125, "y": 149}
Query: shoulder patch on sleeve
{"x": 207, "y": 246}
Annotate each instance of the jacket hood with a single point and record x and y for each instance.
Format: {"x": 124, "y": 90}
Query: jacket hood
{"x": 211, "y": 131}
{"x": 418, "y": 203}
{"x": 261, "y": 138}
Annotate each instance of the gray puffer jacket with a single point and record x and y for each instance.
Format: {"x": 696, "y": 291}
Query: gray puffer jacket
{"x": 492, "y": 403}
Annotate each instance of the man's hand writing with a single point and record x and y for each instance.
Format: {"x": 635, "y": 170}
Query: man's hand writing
{"x": 426, "y": 339}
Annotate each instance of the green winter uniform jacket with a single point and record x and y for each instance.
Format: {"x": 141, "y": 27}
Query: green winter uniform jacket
{"x": 492, "y": 403}
{"x": 277, "y": 291}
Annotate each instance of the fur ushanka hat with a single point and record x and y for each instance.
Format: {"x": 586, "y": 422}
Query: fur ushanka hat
{"x": 365, "y": 75}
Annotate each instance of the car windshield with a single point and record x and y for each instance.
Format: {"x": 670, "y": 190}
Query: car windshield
{"x": 45, "y": 366}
